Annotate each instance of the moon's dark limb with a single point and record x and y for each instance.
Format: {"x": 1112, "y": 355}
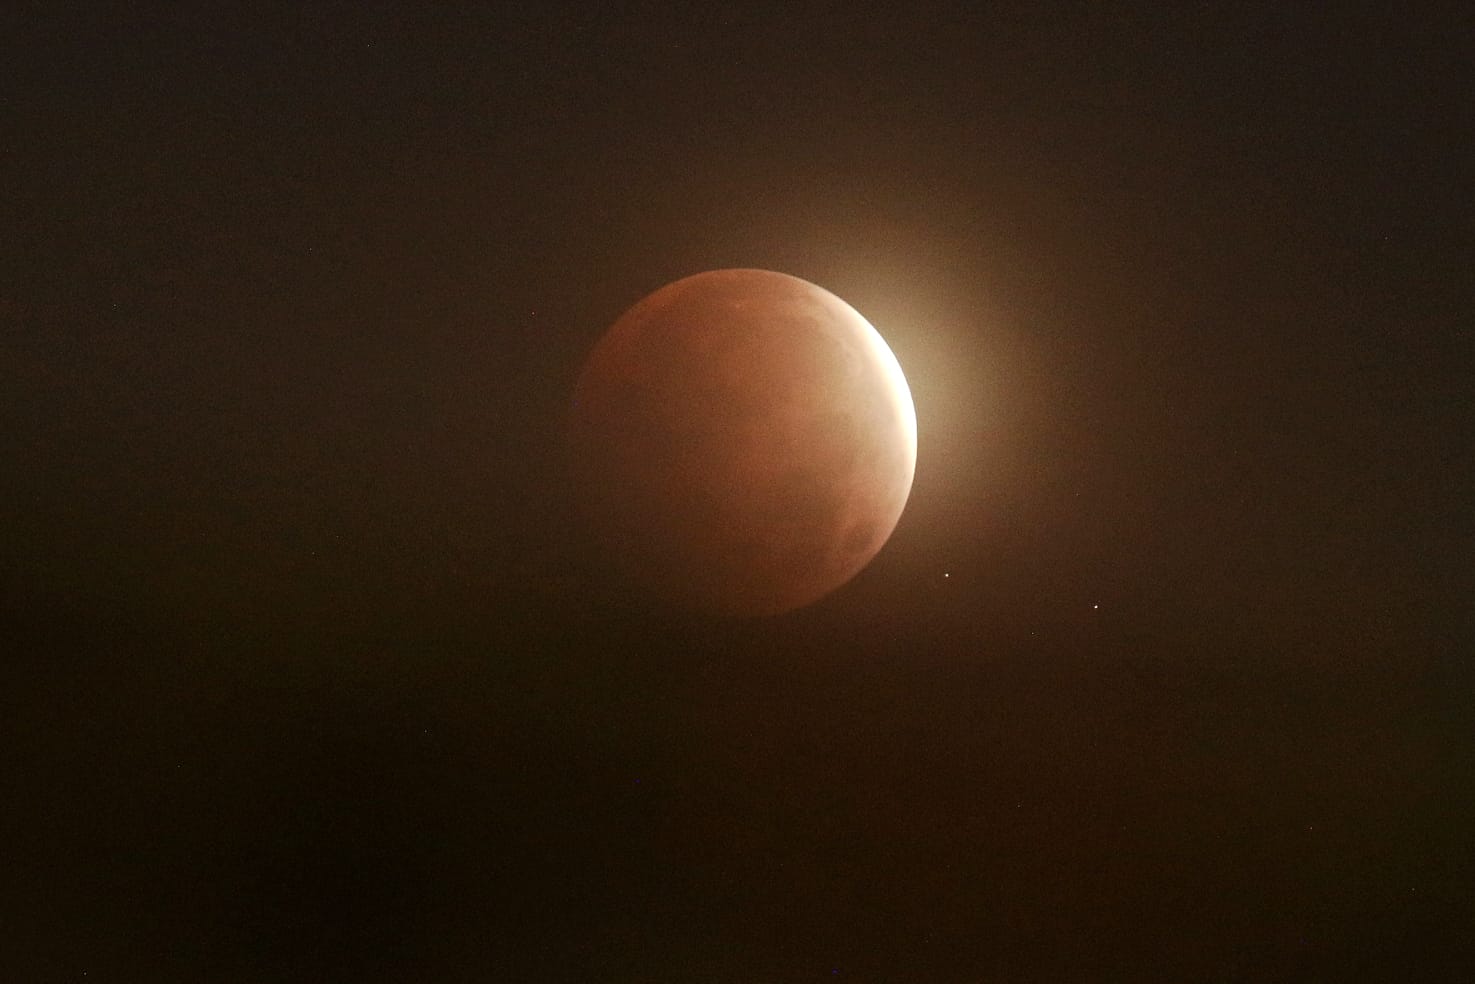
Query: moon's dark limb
{"x": 744, "y": 441}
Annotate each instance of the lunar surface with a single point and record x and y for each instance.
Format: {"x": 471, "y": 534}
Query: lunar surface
{"x": 744, "y": 442}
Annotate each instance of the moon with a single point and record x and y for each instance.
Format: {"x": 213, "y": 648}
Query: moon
{"x": 743, "y": 442}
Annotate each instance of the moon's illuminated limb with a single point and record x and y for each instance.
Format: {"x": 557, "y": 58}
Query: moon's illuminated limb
{"x": 901, "y": 393}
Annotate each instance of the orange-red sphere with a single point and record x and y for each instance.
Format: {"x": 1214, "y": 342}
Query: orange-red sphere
{"x": 744, "y": 442}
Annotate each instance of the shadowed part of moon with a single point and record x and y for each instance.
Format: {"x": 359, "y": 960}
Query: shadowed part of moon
{"x": 744, "y": 442}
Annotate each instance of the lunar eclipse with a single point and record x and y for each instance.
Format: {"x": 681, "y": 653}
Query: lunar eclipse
{"x": 744, "y": 442}
{"x": 423, "y": 557}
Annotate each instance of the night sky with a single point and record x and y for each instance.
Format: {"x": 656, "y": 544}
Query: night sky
{"x": 311, "y": 673}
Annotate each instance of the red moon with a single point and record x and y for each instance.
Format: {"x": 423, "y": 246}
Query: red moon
{"x": 744, "y": 442}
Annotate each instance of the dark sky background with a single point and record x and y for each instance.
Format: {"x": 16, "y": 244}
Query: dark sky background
{"x": 310, "y": 675}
